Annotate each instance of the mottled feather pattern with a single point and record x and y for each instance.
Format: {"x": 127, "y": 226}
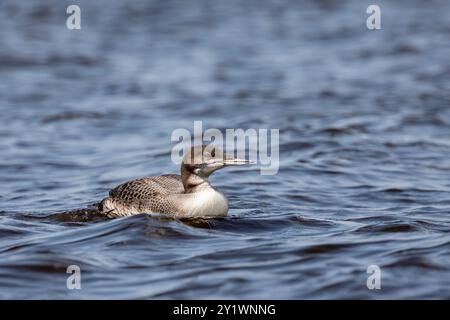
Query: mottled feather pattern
{"x": 143, "y": 195}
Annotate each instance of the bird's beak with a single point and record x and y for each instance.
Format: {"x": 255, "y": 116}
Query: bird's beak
{"x": 237, "y": 162}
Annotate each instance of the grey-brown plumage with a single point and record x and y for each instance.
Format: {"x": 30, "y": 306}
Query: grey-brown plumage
{"x": 186, "y": 195}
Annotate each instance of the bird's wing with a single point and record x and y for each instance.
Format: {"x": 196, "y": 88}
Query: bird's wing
{"x": 152, "y": 194}
{"x": 147, "y": 188}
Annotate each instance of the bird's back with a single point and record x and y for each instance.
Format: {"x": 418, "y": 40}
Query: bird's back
{"x": 142, "y": 195}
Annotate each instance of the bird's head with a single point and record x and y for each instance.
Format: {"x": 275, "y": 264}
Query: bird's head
{"x": 205, "y": 159}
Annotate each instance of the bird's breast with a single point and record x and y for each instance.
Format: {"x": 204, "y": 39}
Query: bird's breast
{"x": 207, "y": 203}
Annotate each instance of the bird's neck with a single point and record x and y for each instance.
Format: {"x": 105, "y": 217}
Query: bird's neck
{"x": 191, "y": 181}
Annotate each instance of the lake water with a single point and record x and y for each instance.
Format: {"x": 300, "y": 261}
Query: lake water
{"x": 364, "y": 119}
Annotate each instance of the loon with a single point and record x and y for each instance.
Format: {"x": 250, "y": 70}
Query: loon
{"x": 187, "y": 195}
